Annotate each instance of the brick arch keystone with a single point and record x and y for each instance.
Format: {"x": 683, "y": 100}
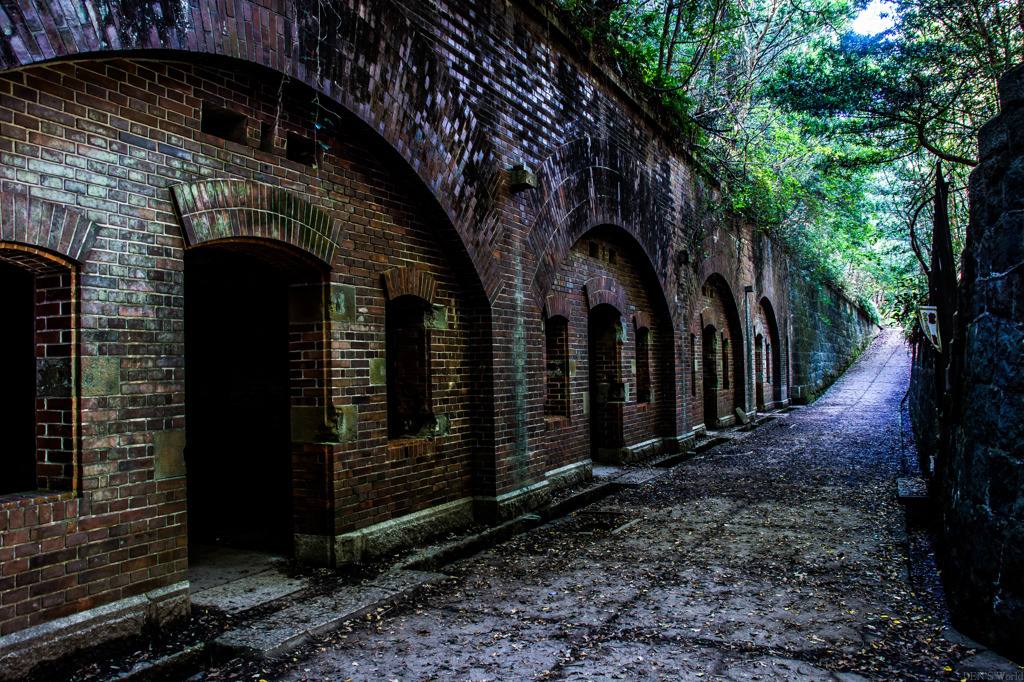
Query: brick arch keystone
{"x": 212, "y": 210}
{"x": 46, "y": 225}
{"x": 376, "y": 64}
{"x": 605, "y": 290}
{"x": 558, "y": 305}
{"x": 411, "y": 280}
{"x": 641, "y": 320}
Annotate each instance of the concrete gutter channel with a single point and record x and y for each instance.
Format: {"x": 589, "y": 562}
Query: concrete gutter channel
{"x": 275, "y": 634}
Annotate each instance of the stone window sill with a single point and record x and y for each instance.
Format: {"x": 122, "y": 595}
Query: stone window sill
{"x": 32, "y": 498}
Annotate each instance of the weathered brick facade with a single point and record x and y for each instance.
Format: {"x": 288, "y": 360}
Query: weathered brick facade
{"x": 219, "y": 236}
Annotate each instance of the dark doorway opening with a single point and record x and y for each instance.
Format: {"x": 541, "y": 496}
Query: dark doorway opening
{"x": 710, "y": 343}
{"x": 18, "y": 397}
{"x": 237, "y": 403}
{"x": 607, "y": 390}
{"x": 408, "y": 369}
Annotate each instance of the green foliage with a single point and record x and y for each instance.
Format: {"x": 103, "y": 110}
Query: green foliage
{"x": 824, "y": 137}
{"x": 705, "y": 63}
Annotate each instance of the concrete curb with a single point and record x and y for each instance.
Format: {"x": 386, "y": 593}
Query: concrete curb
{"x": 176, "y": 665}
{"x": 285, "y": 630}
{"x": 435, "y": 558}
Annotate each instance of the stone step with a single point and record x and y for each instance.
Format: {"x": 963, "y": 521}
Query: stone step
{"x": 249, "y": 592}
{"x": 277, "y": 633}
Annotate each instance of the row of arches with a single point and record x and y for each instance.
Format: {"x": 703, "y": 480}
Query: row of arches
{"x": 253, "y": 362}
{"x": 247, "y": 354}
{"x": 316, "y": 312}
{"x": 722, "y": 352}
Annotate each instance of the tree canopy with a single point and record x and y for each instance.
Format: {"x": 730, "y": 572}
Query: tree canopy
{"x": 823, "y": 136}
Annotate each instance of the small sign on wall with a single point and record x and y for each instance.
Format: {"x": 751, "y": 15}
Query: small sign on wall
{"x": 928, "y": 316}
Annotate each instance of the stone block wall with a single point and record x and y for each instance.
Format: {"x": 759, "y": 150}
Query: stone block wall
{"x": 827, "y": 335}
{"x": 981, "y": 480}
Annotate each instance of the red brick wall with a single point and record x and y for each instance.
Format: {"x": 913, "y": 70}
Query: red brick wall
{"x": 56, "y": 426}
{"x": 724, "y": 352}
{"x": 604, "y": 253}
{"x": 111, "y": 137}
{"x": 413, "y": 115}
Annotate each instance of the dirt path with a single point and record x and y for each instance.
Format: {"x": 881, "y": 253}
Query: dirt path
{"x": 779, "y": 555}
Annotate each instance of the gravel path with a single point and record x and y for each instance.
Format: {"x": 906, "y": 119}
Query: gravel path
{"x": 779, "y": 555}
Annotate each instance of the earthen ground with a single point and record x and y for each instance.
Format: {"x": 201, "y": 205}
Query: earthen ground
{"x": 780, "y": 555}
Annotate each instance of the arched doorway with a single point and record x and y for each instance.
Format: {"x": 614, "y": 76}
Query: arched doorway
{"x": 242, "y": 374}
{"x": 724, "y": 374}
{"x": 710, "y": 364}
{"x": 771, "y": 372}
{"x": 605, "y": 338}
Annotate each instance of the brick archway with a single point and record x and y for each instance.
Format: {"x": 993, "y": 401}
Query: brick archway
{"x": 212, "y": 210}
{"x": 720, "y": 314}
{"x": 773, "y": 351}
{"x": 377, "y": 66}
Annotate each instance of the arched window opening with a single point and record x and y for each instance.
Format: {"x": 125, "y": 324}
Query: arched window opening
{"x": 408, "y": 369}
{"x": 556, "y": 398}
{"x": 644, "y": 394}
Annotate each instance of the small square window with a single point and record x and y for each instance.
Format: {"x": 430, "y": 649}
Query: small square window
{"x": 224, "y": 123}
{"x": 301, "y": 150}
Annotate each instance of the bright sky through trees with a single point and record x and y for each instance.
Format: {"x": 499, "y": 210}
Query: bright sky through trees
{"x": 878, "y": 16}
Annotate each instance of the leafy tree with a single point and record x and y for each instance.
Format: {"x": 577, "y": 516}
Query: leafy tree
{"x": 901, "y": 100}
{"x": 823, "y": 136}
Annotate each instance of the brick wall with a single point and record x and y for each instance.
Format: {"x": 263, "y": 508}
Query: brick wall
{"x": 378, "y": 172}
{"x": 607, "y": 260}
{"x": 720, "y": 359}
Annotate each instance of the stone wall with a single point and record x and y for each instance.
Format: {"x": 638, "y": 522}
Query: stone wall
{"x": 827, "y": 334}
{"x": 981, "y": 482}
{"x": 922, "y": 405}
{"x": 145, "y": 154}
